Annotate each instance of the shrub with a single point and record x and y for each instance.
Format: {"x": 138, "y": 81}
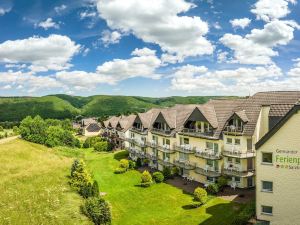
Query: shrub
{"x": 101, "y": 146}
{"x": 1, "y": 128}
{"x": 131, "y": 164}
{"x": 80, "y": 178}
{"x": 146, "y": 161}
{"x": 246, "y": 213}
{"x": 16, "y": 130}
{"x": 158, "y": 177}
{"x": 119, "y": 170}
{"x": 167, "y": 173}
{"x": 195, "y": 204}
{"x": 175, "y": 171}
{"x": 124, "y": 163}
{"x": 89, "y": 190}
{"x": 91, "y": 141}
{"x": 222, "y": 182}
{"x": 200, "y": 195}
{"x": 74, "y": 167}
{"x": 138, "y": 162}
{"x": 98, "y": 210}
{"x": 213, "y": 188}
{"x": 146, "y": 179}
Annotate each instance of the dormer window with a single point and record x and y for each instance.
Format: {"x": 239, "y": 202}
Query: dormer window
{"x": 161, "y": 126}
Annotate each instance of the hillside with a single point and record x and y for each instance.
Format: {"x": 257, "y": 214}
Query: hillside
{"x": 65, "y": 106}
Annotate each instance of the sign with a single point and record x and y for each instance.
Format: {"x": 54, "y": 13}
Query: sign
{"x": 287, "y": 159}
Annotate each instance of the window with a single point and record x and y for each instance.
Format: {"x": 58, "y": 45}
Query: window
{"x": 267, "y": 157}
{"x": 166, "y": 156}
{"x": 229, "y": 140}
{"x": 212, "y": 146}
{"x": 237, "y": 141}
{"x": 183, "y": 156}
{"x": 267, "y": 209}
{"x": 229, "y": 160}
{"x": 210, "y": 162}
{"x": 267, "y": 186}
{"x": 238, "y": 161}
{"x": 210, "y": 179}
{"x": 184, "y": 141}
{"x": 237, "y": 179}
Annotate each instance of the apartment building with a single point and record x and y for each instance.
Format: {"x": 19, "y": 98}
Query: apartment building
{"x": 208, "y": 140}
{"x": 278, "y": 165}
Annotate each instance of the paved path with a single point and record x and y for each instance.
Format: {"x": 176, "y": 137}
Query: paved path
{"x": 4, "y": 140}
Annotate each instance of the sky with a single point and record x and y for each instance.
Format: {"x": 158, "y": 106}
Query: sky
{"x": 152, "y": 48}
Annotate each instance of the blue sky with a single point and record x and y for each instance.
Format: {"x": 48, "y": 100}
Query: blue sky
{"x": 149, "y": 48}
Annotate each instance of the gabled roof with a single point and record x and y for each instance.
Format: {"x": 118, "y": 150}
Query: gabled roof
{"x": 252, "y": 105}
{"x": 93, "y": 127}
{"x": 277, "y": 127}
{"x": 279, "y": 110}
{"x": 126, "y": 122}
{"x": 242, "y": 115}
{"x": 87, "y": 121}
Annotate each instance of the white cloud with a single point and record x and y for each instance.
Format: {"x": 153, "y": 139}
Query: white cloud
{"x": 60, "y": 9}
{"x": 198, "y": 79}
{"x": 257, "y": 47}
{"x": 110, "y": 37}
{"x": 268, "y": 10}
{"x": 48, "y": 23}
{"x": 217, "y": 26}
{"x": 42, "y": 53}
{"x": 222, "y": 56}
{"x": 85, "y": 51}
{"x": 87, "y": 14}
{"x": 242, "y": 23}
{"x": 3, "y": 11}
{"x": 295, "y": 71}
{"x": 159, "y": 23}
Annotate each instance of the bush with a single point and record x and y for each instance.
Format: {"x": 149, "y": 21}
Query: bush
{"x": 16, "y": 130}
{"x": 195, "y": 204}
{"x": 89, "y": 190}
{"x": 175, "y": 171}
{"x": 167, "y": 173}
{"x": 213, "y": 188}
{"x": 124, "y": 163}
{"x": 91, "y": 141}
{"x": 101, "y": 146}
{"x": 119, "y": 170}
{"x": 138, "y": 162}
{"x": 200, "y": 195}
{"x": 80, "y": 178}
{"x": 1, "y": 128}
{"x": 98, "y": 210}
{"x": 131, "y": 164}
{"x": 158, "y": 177}
{"x": 245, "y": 215}
{"x": 222, "y": 182}
{"x": 146, "y": 179}
{"x": 74, "y": 167}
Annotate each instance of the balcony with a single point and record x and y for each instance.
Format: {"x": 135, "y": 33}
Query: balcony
{"x": 165, "y": 162}
{"x": 186, "y": 149}
{"x": 196, "y": 132}
{"x": 208, "y": 171}
{"x": 161, "y": 131}
{"x": 139, "y": 130}
{"x": 130, "y": 140}
{"x": 237, "y": 153}
{"x": 141, "y": 143}
{"x": 233, "y": 130}
{"x": 208, "y": 154}
{"x": 237, "y": 171}
{"x": 185, "y": 164}
{"x": 166, "y": 149}
{"x": 152, "y": 144}
{"x": 151, "y": 156}
{"x": 140, "y": 154}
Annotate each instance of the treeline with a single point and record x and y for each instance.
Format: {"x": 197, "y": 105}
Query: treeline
{"x": 49, "y": 132}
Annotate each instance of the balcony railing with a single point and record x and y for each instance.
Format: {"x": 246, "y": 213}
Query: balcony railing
{"x": 231, "y": 129}
{"x": 185, "y": 164}
{"x": 141, "y": 143}
{"x": 239, "y": 154}
{"x": 197, "y": 133}
{"x": 138, "y": 130}
{"x": 161, "y": 131}
{"x": 208, "y": 154}
{"x": 208, "y": 171}
{"x": 152, "y": 144}
{"x": 166, "y": 148}
{"x": 238, "y": 172}
{"x": 165, "y": 162}
{"x": 188, "y": 149}
{"x": 151, "y": 156}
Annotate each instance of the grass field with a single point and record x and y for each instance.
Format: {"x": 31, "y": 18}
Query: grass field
{"x": 34, "y": 190}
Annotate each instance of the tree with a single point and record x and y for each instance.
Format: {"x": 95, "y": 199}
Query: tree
{"x": 81, "y": 177}
{"x": 33, "y": 130}
{"x": 200, "y": 195}
{"x": 158, "y": 177}
{"x": 101, "y": 146}
{"x": 146, "y": 179}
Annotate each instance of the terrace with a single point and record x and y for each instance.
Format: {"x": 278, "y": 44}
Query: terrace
{"x": 237, "y": 171}
{"x": 185, "y": 164}
{"x": 139, "y": 130}
{"x": 208, "y": 154}
{"x": 237, "y": 153}
{"x": 185, "y": 148}
{"x": 208, "y": 171}
{"x": 166, "y": 148}
{"x": 197, "y": 132}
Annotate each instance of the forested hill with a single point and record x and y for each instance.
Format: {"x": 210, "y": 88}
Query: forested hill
{"x": 66, "y": 106}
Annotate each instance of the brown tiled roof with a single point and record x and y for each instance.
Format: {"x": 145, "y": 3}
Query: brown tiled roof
{"x": 87, "y": 121}
{"x": 253, "y": 105}
{"x": 126, "y": 122}
{"x": 93, "y": 127}
{"x": 279, "y": 110}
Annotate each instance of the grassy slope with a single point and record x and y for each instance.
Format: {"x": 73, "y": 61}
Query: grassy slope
{"x": 33, "y": 186}
{"x": 14, "y": 109}
{"x": 159, "y": 204}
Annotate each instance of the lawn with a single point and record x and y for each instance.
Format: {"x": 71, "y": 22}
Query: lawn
{"x": 34, "y": 188}
{"x": 159, "y": 204}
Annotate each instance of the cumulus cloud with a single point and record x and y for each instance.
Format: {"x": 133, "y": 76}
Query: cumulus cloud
{"x": 242, "y": 23}
{"x": 159, "y": 23}
{"x": 87, "y": 14}
{"x": 48, "y": 23}
{"x": 268, "y": 10}
{"x": 257, "y": 47}
{"x": 60, "y": 9}
{"x": 110, "y": 37}
{"x": 42, "y": 53}
{"x": 295, "y": 71}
